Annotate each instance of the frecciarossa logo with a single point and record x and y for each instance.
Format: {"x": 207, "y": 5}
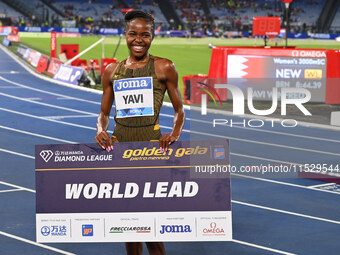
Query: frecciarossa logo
{"x": 175, "y": 229}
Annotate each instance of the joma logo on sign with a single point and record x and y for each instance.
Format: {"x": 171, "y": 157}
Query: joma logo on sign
{"x": 131, "y": 84}
{"x": 46, "y": 155}
{"x": 175, "y": 229}
{"x": 238, "y": 100}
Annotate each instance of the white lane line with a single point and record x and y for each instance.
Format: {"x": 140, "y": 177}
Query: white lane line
{"x": 35, "y": 134}
{"x": 33, "y": 98}
{"x": 10, "y": 190}
{"x": 167, "y": 104}
{"x": 91, "y": 128}
{"x": 265, "y": 159}
{"x": 70, "y": 117}
{"x": 7, "y": 87}
{"x": 278, "y": 182}
{"x": 233, "y": 201}
{"x": 262, "y": 143}
{"x": 35, "y": 243}
{"x": 241, "y": 175}
{"x": 270, "y": 131}
{"x": 321, "y": 185}
{"x": 51, "y": 120}
{"x": 43, "y": 77}
{"x": 252, "y": 116}
{"x": 285, "y": 212}
{"x": 234, "y": 240}
{"x": 49, "y": 93}
{"x": 168, "y": 115}
{"x": 44, "y": 104}
{"x": 67, "y": 141}
{"x": 262, "y": 247}
{"x": 17, "y": 153}
{"x": 17, "y": 186}
{"x": 191, "y": 131}
{"x": 284, "y": 183}
{"x": 235, "y": 154}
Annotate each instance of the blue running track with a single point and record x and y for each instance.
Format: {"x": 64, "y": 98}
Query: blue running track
{"x": 285, "y": 215}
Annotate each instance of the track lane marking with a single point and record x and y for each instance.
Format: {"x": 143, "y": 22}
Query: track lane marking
{"x": 322, "y": 185}
{"x": 262, "y": 143}
{"x": 167, "y": 104}
{"x": 10, "y": 190}
{"x": 171, "y": 116}
{"x": 272, "y": 132}
{"x": 48, "y": 92}
{"x": 286, "y": 212}
{"x": 35, "y": 243}
{"x": 240, "y": 175}
{"x": 58, "y": 117}
{"x": 262, "y": 247}
{"x": 35, "y": 134}
{"x": 236, "y": 202}
{"x": 241, "y": 241}
{"x": 189, "y": 131}
{"x": 17, "y": 153}
{"x": 285, "y": 183}
{"x": 17, "y": 186}
{"x": 51, "y": 120}
{"x": 44, "y": 104}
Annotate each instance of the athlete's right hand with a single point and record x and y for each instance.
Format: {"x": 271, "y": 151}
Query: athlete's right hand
{"x": 104, "y": 141}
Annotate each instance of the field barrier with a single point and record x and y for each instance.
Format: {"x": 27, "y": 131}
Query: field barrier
{"x": 71, "y": 31}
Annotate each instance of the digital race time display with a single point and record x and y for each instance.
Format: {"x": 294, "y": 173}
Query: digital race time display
{"x": 262, "y": 73}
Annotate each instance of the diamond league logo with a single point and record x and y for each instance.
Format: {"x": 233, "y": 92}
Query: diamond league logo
{"x": 46, "y": 155}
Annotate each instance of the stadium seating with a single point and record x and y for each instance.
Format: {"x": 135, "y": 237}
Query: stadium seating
{"x": 108, "y": 9}
{"x": 86, "y": 9}
{"x": 335, "y": 27}
{"x": 102, "y": 13}
{"x": 7, "y": 11}
{"x": 189, "y": 12}
{"x": 151, "y": 7}
{"x": 231, "y": 15}
{"x": 228, "y": 15}
{"x": 306, "y": 11}
{"x": 39, "y": 10}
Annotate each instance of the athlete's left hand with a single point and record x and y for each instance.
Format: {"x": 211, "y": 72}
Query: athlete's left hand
{"x": 165, "y": 141}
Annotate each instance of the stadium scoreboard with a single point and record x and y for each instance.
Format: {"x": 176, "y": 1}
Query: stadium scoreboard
{"x": 263, "y": 69}
{"x": 266, "y": 25}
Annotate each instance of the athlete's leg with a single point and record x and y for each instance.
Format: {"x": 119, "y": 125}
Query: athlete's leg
{"x": 134, "y": 248}
{"x": 156, "y": 248}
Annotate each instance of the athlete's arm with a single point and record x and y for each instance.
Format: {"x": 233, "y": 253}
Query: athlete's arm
{"x": 168, "y": 74}
{"x": 102, "y": 138}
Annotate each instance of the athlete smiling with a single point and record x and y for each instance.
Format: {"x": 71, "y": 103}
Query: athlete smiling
{"x": 132, "y": 124}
